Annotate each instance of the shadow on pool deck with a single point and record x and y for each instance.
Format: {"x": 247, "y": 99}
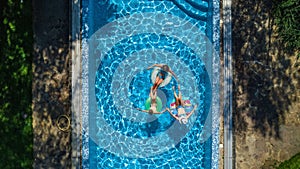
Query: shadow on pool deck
{"x": 266, "y": 82}
{"x": 51, "y": 84}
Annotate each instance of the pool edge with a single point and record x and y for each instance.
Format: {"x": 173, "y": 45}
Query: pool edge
{"x": 227, "y": 46}
{"x": 216, "y": 84}
{"x": 76, "y": 107}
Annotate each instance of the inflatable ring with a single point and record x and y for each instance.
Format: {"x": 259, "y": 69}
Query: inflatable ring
{"x": 63, "y": 119}
{"x": 167, "y": 80}
{"x": 188, "y": 106}
{"x": 158, "y": 101}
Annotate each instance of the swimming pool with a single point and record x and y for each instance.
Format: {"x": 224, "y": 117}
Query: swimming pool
{"x": 120, "y": 39}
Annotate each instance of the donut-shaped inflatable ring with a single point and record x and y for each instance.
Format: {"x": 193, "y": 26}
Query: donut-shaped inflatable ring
{"x": 154, "y": 74}
{"x": 158, "y": 101}
{"x": 188, "y": 107}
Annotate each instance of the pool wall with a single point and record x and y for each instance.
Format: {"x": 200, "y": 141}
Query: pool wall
{"x": 83, "y": 110}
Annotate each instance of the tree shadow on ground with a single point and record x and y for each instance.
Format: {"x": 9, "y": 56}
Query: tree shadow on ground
{"x": 51, "y": 88}
{"x": 264, "y": 78}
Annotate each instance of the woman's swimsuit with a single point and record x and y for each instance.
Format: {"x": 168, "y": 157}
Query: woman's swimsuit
{"x": 162, "y": 74}
{"x": 181, "y": 115}
{"x": 166, "y": 76}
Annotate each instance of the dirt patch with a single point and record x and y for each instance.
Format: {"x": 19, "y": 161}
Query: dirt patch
{"x": 266, "y": 89}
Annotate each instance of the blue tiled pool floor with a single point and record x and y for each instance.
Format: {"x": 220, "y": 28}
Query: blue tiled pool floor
{"x": 120, "y": 40}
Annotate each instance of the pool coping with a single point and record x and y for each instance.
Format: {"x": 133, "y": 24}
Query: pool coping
{"x": 216, "y": 84}
{"x": 227, "y": 53}
{"x": 76, "y": 108}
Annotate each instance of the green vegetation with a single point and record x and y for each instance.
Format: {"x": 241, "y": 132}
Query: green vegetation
{"x": 286, "y": 13}
{"x": 293, "y": 163}
{"x": 16, "y": 48}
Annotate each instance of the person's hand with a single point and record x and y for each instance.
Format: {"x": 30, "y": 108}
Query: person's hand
{"x": 178, "y": 87}
{"x": 195, "y": 106}
{"x": 173, "y": 87}
{"x": 150, "y": 67}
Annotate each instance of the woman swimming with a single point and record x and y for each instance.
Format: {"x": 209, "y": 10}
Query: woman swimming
{"x": 153, "y": 104}
{"x": 181, "y": 115}
{"x": 162, "y": 75}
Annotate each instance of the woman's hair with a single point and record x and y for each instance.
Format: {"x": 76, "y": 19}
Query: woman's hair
{"x": 183, "y": 120}
{"x": 151, "y": 111}
{"x": 165, "y": 68}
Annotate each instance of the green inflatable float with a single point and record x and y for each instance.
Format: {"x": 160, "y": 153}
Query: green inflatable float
{"x": 158, "y": 101}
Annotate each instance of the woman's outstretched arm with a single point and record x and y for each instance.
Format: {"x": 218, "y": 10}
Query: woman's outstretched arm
{"x": 146, "y": 111}
{"x": 155, "y": 65}
{"x": 172, "y": 114}
{"x": 189, "y": 115}
{"x": 173, "y": 74}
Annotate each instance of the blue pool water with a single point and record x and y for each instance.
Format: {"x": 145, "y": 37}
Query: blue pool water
{"x": 120, "y": 39}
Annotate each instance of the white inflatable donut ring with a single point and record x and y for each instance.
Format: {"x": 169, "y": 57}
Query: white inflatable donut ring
{"x": 167, "y": 80}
